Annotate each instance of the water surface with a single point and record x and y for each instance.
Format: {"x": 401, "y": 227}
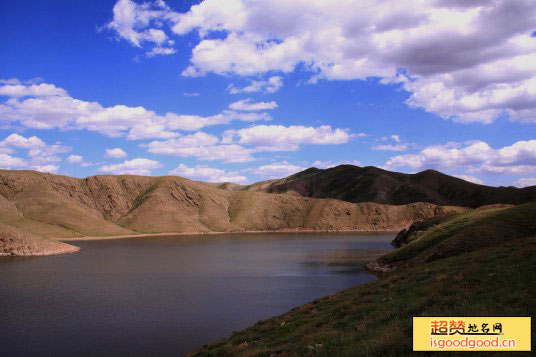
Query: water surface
{"x": 169, "y": 295}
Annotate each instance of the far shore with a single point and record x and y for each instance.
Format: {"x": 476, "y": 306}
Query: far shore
{"x": 141, "y": 235}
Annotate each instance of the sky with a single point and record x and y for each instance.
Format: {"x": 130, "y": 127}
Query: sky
{"x": 243, "y": 91}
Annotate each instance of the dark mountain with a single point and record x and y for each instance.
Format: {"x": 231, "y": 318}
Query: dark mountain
{"x": 372, "y": 184}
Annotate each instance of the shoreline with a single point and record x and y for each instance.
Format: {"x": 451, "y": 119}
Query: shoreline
{"x": 142, "y": 235}
{"x": 68, "y": 250}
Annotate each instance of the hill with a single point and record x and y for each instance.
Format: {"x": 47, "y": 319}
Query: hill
{"x": 371, "y": 184}
{"x": 60, "y": 207}
{"x": 479, "y": 263}
{"x": 14, "y": 242}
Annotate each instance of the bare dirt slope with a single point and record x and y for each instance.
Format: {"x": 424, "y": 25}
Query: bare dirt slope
{"x": 14, "y": 242}
{"x": 371, "y": 184}
{"x": 59, "y": 206}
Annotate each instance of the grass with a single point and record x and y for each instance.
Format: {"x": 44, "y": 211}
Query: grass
{"x": 494, "y": 279}
{"x": 467, "y": 232}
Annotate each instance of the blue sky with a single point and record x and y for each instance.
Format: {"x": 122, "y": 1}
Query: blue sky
{"x": 252, "y": 90}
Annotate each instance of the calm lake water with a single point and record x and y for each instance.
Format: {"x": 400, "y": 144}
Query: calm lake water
{"x": 169, "y": 295}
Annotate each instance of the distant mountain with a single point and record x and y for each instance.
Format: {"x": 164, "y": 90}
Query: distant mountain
{"x": 371, "y": 184}
{"x": 59, "y": 206}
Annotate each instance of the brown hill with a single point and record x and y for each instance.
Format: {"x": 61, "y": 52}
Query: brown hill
{"x": 15, "y": 242}
{"x": 59, "y": 206}
{"x": 372, "y": 184}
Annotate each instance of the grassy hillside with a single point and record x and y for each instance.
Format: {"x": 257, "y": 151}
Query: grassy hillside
{"x": 484, "y": 267}
{"x": 467, "y": 232}
{"x": 371, "y": 184}
{"x": 106, "y": 205}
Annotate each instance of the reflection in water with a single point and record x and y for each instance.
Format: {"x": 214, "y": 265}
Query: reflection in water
{"x": 169, "y": 295}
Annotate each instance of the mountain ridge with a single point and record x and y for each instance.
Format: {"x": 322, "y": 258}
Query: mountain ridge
{"x": 58, "y": 206}
{"x": 371, "y": 184}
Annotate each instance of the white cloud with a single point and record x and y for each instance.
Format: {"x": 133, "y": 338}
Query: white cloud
{"x": 467, "y": 61}
{"x": 116, "y": 153}
{"x": 9, "y": 162}
{"x": 34, "y": 90}
{"x": 276, "y": 170}
{"x": 226, "y": 153}
{"x": 525, "y": 182}
{"x": 511, "y": 170}
{"x": 48, "y": 153}
{"x": 138, "y": 166}
{"x": 137, "y": 23}
{"x": 469, "y": 178}
{"x": 75, "y": 159}
{"x": 46, "y": 168}
{"x": 195, "y": 122}
{"x": 37, "y": 150}
{"x": 283, "y": 138}
{"x": 191, "y": 94}
{"x": 239, "y": 145}
{"x": 390, "y": 147}
{"x": 136, "y": 123}
{"x": 271, "y": 85}
{"x": 160, "y": 51}
{"x": 201, "y": 146}
{"x": 19, "y": 141}
{"x": 248, "y": 105}
{"x": 478, "y": 156}
{"x": 208, "y": 174}
{"x": 79, "y": 160}
{"x": 397, "y": 146}
{"x": 328, "y": 164}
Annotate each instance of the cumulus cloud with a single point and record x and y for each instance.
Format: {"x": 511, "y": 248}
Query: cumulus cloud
{"x": 37, "y": 150}
{"x": 19, "y": 141}
{"x": 328, "y": 164}
{"x": 137, "y": 166}
{"x": 397, "y": 145}
{"x": 286, "y": 138}
{"x": 45, "y": 168}
{"x": 239, "y": 145}
{"x": 208, "y": 174}
{"x": 271, "y": 85}
{"x": 525, "y": 182}
{"x": 390, "y": 147}
{"x": 141, "y": 23}
{"x": 518, "y": 158}
{"x": 248, "y": 105}
{"x": 39, "y": 154}
{"x": 17, "y": 89}
{"x": 75, "y": 159}
{"x": 116, "y": 153}
{"x": 79, "y": 160}
{"x": 58, "y": 110}
{"x": 9, "y": 162}
{"x": 160, "y": 51}
{"x": 470, "y": 178}
{"x": 202, "y": 146}
{"x": 471, "y": 61}
{"x": 276, "y": 170}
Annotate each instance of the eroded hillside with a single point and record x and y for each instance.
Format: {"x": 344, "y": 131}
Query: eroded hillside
{"x": 59, "y": 206}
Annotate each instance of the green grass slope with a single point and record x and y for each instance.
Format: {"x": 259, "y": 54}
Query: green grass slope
{"x": 466, "y": 232}
{"x": 486, "y": 269}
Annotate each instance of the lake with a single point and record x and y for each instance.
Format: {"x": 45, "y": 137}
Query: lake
{"x": 169, "y": 295}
